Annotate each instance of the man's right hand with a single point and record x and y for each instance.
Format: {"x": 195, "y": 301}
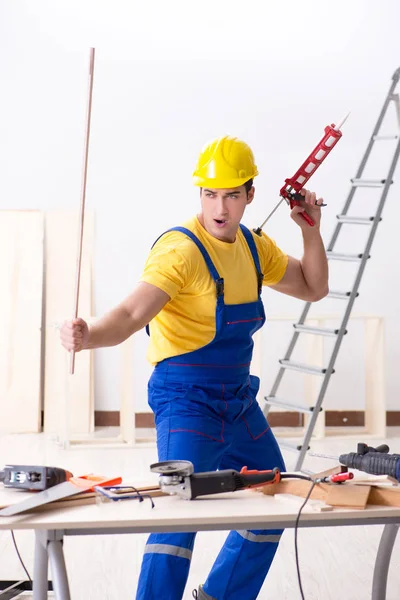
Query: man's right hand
{"x": 74, "y": 335}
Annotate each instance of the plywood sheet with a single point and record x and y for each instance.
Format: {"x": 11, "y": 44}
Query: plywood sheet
{"x": 68, "y": 399}
{"x": 21, "y": 276}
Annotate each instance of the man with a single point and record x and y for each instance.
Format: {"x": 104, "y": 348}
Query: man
{"x": 201, "y": 293}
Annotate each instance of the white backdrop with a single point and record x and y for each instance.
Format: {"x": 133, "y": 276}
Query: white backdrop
{"x": 169, "y": 76}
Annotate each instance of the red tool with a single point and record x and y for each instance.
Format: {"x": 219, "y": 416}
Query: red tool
{"x": 178, "y": 477}
{"x": 337, "y": 478}
{"x": 293, "y": 185}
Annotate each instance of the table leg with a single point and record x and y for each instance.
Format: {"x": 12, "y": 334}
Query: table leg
{"x": 58, "y": 569}
{"x": 382, "y": 562}
{"x": 40, "y": 568}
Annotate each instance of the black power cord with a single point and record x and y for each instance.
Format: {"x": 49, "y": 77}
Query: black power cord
{"x": 296, "y": 528}
{"x": 19, "y": 556}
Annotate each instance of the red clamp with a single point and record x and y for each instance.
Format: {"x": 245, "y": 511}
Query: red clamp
{"x": 338, "y": 478}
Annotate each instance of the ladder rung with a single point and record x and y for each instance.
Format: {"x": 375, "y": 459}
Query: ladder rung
{"x": 378, "y": 138}
{"x": 356, "y": 220}
{"x": 345, "y": 257}
{"x": 289, "y": 446}
{"x": 288, "y": 364}
{"x": 340, "y": 295}
{"x": 317, "y": 330}
{"x": 368, "y": 182}
{"x": 274, "y": 401}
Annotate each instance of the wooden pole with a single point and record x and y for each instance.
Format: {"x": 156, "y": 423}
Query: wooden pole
{"x": 83, "y": 197}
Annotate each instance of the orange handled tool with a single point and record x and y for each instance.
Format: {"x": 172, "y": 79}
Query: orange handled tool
{"x": 258, "y": 478}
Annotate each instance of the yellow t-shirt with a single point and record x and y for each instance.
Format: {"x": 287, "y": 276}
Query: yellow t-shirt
{"x": 176, "y": 266}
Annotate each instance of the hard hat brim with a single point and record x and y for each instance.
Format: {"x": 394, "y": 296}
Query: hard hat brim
{"x": 222, "y": 184}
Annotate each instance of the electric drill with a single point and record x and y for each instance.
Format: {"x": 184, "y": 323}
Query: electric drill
{"x": 33, "y": 477}
{"x": 376, "y": 461}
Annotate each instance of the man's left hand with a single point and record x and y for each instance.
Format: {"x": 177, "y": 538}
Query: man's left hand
{"x": 312, "y": 206}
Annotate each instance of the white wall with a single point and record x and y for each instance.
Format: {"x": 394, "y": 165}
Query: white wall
{"x": 169, "y": 76}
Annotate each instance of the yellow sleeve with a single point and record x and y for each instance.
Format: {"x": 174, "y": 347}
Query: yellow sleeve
{"x": 168, "y": 265}
{"x": 272, "y": 260}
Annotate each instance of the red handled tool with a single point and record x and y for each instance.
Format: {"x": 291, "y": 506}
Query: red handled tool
{"x": 258, "y": 478}
{"x": 293, "y": 185}
{"x": 337, "y": 478}
{"x": 178, "y": 477}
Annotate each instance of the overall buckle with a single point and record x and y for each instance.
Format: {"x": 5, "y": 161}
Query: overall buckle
{"x": 220, "y": 287}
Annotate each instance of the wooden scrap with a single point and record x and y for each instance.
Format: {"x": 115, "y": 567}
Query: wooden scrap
{"x": 296, "y": 502}
{"x": 366, "y": 479}
{"x": 376, "y": 495}
{"x": 354, "y": 496}
{"x": 90, "y": 498}
{"x": 333, "y": 471}
{"x": 298, "y": 487}
{"x": 384, "y": 496}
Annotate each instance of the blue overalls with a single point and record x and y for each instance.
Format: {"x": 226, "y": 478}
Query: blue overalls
{"x": 206, "y": 412}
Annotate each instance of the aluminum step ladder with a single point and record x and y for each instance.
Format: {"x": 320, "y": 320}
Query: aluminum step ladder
{"x": 346, "y": 296}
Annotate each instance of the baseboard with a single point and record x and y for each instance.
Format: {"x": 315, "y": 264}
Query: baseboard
{"x": 333, "y": 418}
{"x": 393, "y": 418}
{"x": 345, "y": 418}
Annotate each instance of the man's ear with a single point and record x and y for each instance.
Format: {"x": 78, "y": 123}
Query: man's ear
{"x": 250, "y": 195}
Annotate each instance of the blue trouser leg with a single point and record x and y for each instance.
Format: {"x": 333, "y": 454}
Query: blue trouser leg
{"x": 229, "y": 578}
{"x": 165, "y": 566}
{"x": 182, "y": 434}
{"x": 213, "y": 429}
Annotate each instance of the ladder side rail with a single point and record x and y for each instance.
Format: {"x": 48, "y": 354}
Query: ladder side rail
{"x": 347, "y": 313}
{"x": 364, "y": 159}
{"x": 330, "y": 247}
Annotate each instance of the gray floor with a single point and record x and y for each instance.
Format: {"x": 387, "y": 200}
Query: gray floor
{"x": 336, "y": 563}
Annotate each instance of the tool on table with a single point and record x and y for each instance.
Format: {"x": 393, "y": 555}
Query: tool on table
{"x": 112, "y": 493}
{"x": 335, "y": 478}
{"x": 376, "y": 461}
{"x": 178, "y": 477}
{"x": 33, "y": 477}
{"x": 75, "y": 485}
{"x": 290, "y": 191}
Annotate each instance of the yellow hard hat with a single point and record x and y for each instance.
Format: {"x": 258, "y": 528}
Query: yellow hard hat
{"x": 226, "y": 162}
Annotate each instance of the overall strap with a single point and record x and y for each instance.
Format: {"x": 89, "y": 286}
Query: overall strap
{"x": 253, "y": 249}
{"x": 219, "y": 282}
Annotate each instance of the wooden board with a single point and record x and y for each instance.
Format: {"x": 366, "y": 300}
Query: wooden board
{"x": 21, "y": 276}
{"x": 355, "y": 496}
{"x": 68, "y": 399}
{"x": 10, "y": 496}
{"x": 348, "y": 494}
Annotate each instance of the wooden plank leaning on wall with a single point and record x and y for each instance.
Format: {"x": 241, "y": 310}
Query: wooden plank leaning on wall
{"x": 61, "y": 390}
{"x": 21, "y": 276}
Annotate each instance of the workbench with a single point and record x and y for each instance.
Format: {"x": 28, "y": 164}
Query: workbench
{"x": 238, "y": 510}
